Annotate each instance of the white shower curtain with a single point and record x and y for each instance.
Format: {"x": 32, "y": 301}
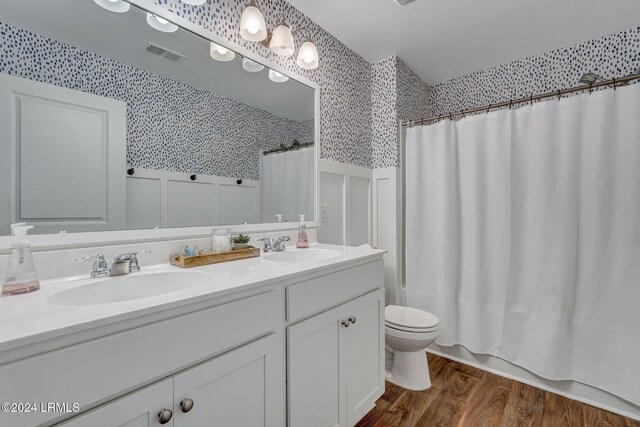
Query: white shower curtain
{"x": 523, "y": 236}
{"x": 288, "y": 185}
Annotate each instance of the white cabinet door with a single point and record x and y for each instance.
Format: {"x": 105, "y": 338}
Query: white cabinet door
{"x": 137, "y": 409}
{"x": 313, "y": 356}
{"x": 237, "y": 389}
{"x": 336, "y": 365}
{"x": 362, "y": 347}
{"x": 63, "y": 157}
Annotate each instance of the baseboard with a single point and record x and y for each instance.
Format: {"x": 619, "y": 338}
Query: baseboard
{"x": 570, "y": 389}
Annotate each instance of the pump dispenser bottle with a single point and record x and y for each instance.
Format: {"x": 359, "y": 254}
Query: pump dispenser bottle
{"x": 21, "y": 277}
{"x": 303, "y": 241}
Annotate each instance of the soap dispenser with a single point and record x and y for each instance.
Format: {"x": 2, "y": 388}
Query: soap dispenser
{"x": 303, "y": 241}
{"x": 21, "y": 275}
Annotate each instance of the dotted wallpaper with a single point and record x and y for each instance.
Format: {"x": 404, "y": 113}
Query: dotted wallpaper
{"x": 343, "y": 76}
{"x": 170, "y": 125}
{"x": 615, "y": 55}
{"x": 397, "y": 93}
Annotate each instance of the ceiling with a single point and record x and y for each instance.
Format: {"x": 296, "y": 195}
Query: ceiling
{"x": 124, "y": 37}
{"x": 443, "y": 39}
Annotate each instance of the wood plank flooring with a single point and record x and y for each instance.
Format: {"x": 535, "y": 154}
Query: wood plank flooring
{"x": 465, "y": 396}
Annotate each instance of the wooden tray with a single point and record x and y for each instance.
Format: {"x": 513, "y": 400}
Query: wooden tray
{"x": 200, "y": 260}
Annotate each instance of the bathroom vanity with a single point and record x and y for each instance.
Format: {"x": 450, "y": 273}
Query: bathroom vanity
{"x": 292, "y": 338}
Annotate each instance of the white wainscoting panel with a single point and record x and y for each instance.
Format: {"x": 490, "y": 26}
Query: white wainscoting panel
{"x": 345, "y": 204}
{"x": 387, "y": 228}
{"x": 240, "y": 203}
{"x": 143, "y": 202}
{"x": 172, "y": 199}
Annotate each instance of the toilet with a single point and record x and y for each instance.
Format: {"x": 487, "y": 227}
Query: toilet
{"x": 408, "y": 332}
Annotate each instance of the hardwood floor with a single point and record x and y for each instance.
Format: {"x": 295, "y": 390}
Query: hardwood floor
{"x": 465, "y": 396}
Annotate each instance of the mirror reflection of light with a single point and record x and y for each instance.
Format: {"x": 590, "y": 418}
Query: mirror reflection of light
{"x": 220, "y": 53}
{"x": 277, "y": 77}
{"x": 160, "y": 24}
{"x": 251, "y": 66}
{"x": 118, "y": 6}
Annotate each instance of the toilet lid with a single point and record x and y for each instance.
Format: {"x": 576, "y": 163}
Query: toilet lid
{"x": 407, "y": 317}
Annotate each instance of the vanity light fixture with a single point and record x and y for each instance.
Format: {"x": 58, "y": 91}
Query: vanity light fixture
{"x": 281, "y": 42}
{"x": 118, "y": 6}
{"x": 161, "y": 24}
{"x": 308, "y": 53}
{"x": 251, "y": 66}
{"x": 221, "y": 53}
{"x": 194, "y": 2}
{"x": 277, "y": 77}
{"x": 252, "y": 25}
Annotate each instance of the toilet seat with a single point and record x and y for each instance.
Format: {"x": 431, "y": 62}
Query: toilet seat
{"x": 409, "y": 330}
{"x": 410, "y": 319}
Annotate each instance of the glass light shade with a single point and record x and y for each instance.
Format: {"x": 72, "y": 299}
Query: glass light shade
{"x": 194, "y": 2}
{"x": 252, "y": 25}
{"x": 308, "y": 56}
{"x": 282, "y": 40}
{"x": 277, "y": 77}
{"x": 160, "y": 23}
{"x": 118, "y": 6}
{"x": 220, "y": 53}
{"x": 250, "y": 66}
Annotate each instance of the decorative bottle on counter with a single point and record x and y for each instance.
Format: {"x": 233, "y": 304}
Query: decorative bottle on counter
{"x": 21, "y": 277}
{"x": 303, "y": 241}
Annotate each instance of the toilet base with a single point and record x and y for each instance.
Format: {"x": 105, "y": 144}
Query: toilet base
{"x": 409, "y": 370}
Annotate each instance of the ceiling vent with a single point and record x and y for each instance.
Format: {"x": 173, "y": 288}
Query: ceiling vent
{"x": 162, "y": 52}
{"x": 404, "y": 2}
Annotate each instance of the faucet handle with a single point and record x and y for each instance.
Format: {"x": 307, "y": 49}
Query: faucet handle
{"x": 100, "y": 267}
{"x": 134, "y": 266}
{"x": 267, "y": 243}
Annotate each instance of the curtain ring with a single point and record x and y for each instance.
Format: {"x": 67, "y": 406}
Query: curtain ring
{"x": 510, "y": 103}
{"x": 559, "y": 94}
{"x": 590, "y": 88}
{"x": 462, "y": 113}
{"x": 614, "y": 83}
{"x": 531, "y": 100}
{"x": 450, "y": 115}
{"x": 488, "y": 108}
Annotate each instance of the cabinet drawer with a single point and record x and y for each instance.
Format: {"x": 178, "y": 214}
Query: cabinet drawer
{"x": 315, "y": 295}
{"x": 95, "y": 370}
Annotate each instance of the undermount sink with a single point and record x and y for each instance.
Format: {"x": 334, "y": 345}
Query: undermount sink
{"x": 303, "y": 255}
{"x": 129, "y": 287}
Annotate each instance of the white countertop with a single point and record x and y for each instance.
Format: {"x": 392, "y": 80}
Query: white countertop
{"x": 32, "y": 318}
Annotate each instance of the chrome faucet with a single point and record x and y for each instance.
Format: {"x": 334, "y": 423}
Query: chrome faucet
{"x": 121, "y": 264}
{"x": 274, "y": 245}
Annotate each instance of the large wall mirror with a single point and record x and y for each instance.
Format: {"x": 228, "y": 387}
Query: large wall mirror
{"x": 119, "y": 119}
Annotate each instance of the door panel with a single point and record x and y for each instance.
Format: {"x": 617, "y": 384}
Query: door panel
{"x": 314, "y": 385}
{"x": 137, "y": 409}
{"x": 233, "y": 390}
{"x": 45, "y": 128}
{"x": 362, "y": 344}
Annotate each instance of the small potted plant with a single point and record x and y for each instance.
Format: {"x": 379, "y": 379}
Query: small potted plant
{"x": 240, "y": 241}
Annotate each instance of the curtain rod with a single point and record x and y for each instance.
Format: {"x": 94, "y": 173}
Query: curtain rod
{"x": 290, "y": 148}
{"x": 615, "y": 82}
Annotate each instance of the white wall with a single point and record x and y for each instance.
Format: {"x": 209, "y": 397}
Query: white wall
{"x": 345, "y": 204}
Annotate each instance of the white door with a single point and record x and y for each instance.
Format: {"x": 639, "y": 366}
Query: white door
{"x": 141, "y": 408}
{"x": 63, "y": 163}
{"x": 362, "y": 347}
{"x": 237, "y": 389}
{"x": 313, "y": 353}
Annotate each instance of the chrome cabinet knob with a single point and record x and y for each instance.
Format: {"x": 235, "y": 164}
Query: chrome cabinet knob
{"x": 164, "y": 416}
{"x": 352, "y": 319}
{"x": 345, "y": 323}
{"x": 186, "y": 405}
